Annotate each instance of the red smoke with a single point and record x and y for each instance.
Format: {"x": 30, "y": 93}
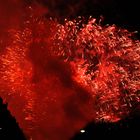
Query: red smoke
{"x": 57, "y": 78}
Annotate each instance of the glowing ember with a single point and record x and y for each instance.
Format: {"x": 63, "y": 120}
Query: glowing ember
{"x": 56, "y": 78}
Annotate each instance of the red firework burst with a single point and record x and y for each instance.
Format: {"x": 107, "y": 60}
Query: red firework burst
{"x": 105, "y": 60}
{"x": 57, "y": 76}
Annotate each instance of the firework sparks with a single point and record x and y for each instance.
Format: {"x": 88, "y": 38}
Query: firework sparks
{"x": 106, "y": 61}
{"x": 80, "y": 71}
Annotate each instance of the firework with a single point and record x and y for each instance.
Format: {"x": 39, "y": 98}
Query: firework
{"x": 105, "y": 60}
{"x": 56, "y": 76}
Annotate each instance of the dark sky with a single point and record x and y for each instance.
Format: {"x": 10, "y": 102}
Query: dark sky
{"x": 122, "y": 12}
